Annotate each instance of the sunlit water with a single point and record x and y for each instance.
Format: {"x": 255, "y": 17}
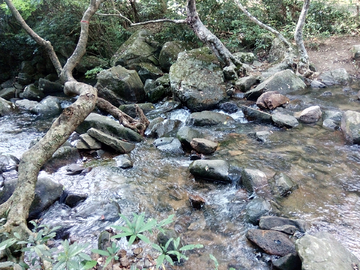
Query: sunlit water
{"x": 326, "y": 169}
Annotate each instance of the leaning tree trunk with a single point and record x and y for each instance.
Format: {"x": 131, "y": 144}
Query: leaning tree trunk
{"x": 303, "y": 63}
{"x": 205, "y": 35}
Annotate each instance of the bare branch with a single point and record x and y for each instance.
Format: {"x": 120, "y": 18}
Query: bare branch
{"x": 160, "y": 21}
{"x": 117, "y": 15}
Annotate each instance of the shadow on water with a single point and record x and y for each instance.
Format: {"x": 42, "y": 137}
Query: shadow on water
{"x": 325, "y": 168}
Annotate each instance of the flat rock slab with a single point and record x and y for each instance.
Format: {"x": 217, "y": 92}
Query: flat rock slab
{"x": 284, "y": 120}
{"x": 270, "y": 222}
{"x": 204, "y": 146}
{"x": 323, "y": 252}
{"x": 209, "y": 118}
{"x": 215, "y": 170}
{"x": 118, "y": 145}
{"x": 272, "y": 242}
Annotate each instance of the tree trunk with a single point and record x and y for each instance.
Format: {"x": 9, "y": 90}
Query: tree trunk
{"x": 303, "y": 63}
{"x": 135, "y": 12}
{"x": 205, "y": 35}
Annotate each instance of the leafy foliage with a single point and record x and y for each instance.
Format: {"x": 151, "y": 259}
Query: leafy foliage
{"x": 111, "y": 253}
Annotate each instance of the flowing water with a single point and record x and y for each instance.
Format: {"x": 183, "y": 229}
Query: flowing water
{"x": 326, "y": 169}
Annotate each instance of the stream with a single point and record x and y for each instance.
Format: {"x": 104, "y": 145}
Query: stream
{"x": 326, "y": 169}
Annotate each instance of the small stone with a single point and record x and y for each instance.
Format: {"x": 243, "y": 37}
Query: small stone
{"x": 204, "y": 146}
{"x": 309, "y": 115}
{"x": 196, "y": 201}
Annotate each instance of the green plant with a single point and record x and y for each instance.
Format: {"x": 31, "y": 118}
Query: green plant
{"x": 111, "y": 253}
{"x": 175, "y": 251}
{"x": 91, "y": 74}
{"x": 138, "y": 226}
{"x": 212, "y": 257}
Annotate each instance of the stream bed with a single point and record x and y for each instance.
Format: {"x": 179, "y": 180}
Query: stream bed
{"x": 326, "y": 169}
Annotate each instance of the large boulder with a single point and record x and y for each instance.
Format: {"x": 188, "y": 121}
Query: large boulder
{"x": 139, "y": 48}
{"x": 32, "y": 92}
{"x": 334, "y": 77}
{"x": 322, "y": 252}
{"x": 350, "y": 126}
{"x": 169, "y": 53}
{"x": 197, "y": 79}
{"x": 89, "y": 62}
{"x": 109, "y": 126}
{"x": 48, "y": 107}
{"x": 8, "y": 93}
{"x": 118, "y": 84}
{"x": 158, "y": 89}
{"x": 283, "y": 81}
{"x": 213, "y": 170}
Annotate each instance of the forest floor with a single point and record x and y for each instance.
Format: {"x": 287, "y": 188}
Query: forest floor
{"x": 333, "y": 53}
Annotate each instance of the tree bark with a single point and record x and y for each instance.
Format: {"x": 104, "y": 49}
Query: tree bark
{"x": 303, "y": 63}
{"x": 205, "y": 35}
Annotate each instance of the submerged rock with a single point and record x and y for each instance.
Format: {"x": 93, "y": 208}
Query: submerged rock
{"x": 214, "y": 170}
{"x": 322, "y": 252}
{"x": 254, "y": 180}
{"x": 281, "y": 185}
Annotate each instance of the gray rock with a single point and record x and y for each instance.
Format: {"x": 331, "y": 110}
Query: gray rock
{"x": 169, "y": 53}
{"x": 197, "y": 80}
{"x": 89, "y": 62}
{"x": 203, "y": 146}
{"x": 245, "y": 83}
{"x": 334, "y": 77}
{"x": 245, "y": 57}
{"x": 322, "y": 252}
{"x": 32, "y": 92}
{"x": 8, "y": 163}
{"x": 118, "y": 84}
{"x": 309, "y": 115}
{"x": 74, "y": 169}
{"x": 332, "y": 120}
{"x": 317, "y": 84}
{"x": 26, "y": 105}
{"x": 24, "y": 78}
{"x": 102, "y": 208}
{"x": 187, "y": 134}
{"x": 281, "y": 185}
{"x": 213, "y": 170}
{"x": 254, "y": 180}
{"x": 8, "y": 93}
{"x": 169, "y": 145}
{"x": 350, "y": 126}
{"x": 165, "y": 128}
{"x": 230, "y": 73}
{"x": 6, "y": 107}
{"x": 139, "y": 48}
{"x": 148, "y": 71}
{"x": 130, "y": 109}
{"x": 356, "y": 52}
{"x": 116, "y": 144}
{"x": 73, "y": 199}
{"x": 284, "y": 120}
{"x": 155, "y": 91}
{"x": 63, "y": 156}
{"x": 48, "y": 107}
{"x": 288, "y": 262}
{"x": 271, "y": 100}
{"x": 284, "y": 82}
{"x": 50, "y": 88}
{"x": 109, "y": 126}
{"x": 262, "y": 136}
{"x": 257, "y": 208}
{"x": 46, "y": 193}
{"x": 272, "y": 242}
{"x": 124, "y": 161}
{"x": 277, "y": 50}
{"x": 209, "y": 118}
{"x": 252, "y": 114}
{"x": 86, "y": 142}
{"x": 271, "y": 222}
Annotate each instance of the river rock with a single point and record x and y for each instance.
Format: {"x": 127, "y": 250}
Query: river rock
{"x": 262, "y": 136}
{"x": 203, "y": 146}
{"x": 213, "y": 170}
{"x": 169, "y": 53}
{"x": 6, "y": 107}
{"x": 322, "y": 252}
{"x": 316, "y": 84}
{"x": 101, "y": 208}
{"x": 46, "y": 193}
{"x": 284, "y": 120}
{"x": 24, "y": 78}
{"x": 50, "y": 88}
{"x": 277, "y": 51}
{"x": 281, "y": 185}
{"x": 48, "y": 107}
{"x": 74, "y": 169}
{"x": 169, "y": 145}
{"x": 109, "y": 126}
{"x": 196, "y": 201}
{"x": 254, "y": 180}
{"x": 139, "y": 48}
{"x": 63, "y": 156}
{"x": 157, "y": 90}
{"x": 114, "y": 143}
{"x": 271, "y": 100}
{"x": 123, "y": 161}
{"x": 309, "y": 115}
{"x": 256, "y": 208}
{"x": 187, "y": 134}
{"x": 197, "y": 79}
{"x": 228, "y": 107}
{"x": 284, "y": 82}
{"x": 161, "y": 127}
{"x": 245, "y": 57}
{"x": 32, "y": 92}
{"x": 288, "y": 262}
{"x": 26, "y": 105}
{"x": 86, "y": 142}
{"x": 355, "y": 50}
{"x": 271, "y": 222}
{"x": 245, "y": 83}
{"x": 350, "y": 126}
{"x": 8, "y": 93}
{"x": 73, "y": 199}
{"x": 89, "y": 62}
{"x": 8, "y": 162}
{"x": 332, "y": 120}
{"x": 208, "y": 118}
{"x": 147, "y": 71}
{"x": 334, "y": 77}
{"x": 130, "y": 109}
{"x": 252, "y": 114}
{"x": 119, "y": 84}
{"x": 272, "y": 242}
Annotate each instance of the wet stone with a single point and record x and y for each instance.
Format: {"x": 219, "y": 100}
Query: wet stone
{"x": 73, "y": 199}
{"x": 169, "y": 145}
{"x": 204, "y": 146}
{"x": 281, "y": 185}
{"x": 196, "y": 201}
{"x": 272, "y": 242}
{"x": 309, "y": 115}
{"x": 257, "y": 208}
{"x": 269, "y": 222}
{"x": 214, "y": 170}
{"x": 124, "y": 161}
{"x": 252, "y": 114}
{"x": 288, "y": 262}
{"x": 284, "y": 120}
{"x": 253, "y": 180}
{"x": 73, "y": 169}
{"x": 271, "y": 100}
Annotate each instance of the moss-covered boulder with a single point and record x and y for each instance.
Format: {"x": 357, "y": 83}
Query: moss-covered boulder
{"x": 169, "y": 53}
{"x": 197, "y": 79}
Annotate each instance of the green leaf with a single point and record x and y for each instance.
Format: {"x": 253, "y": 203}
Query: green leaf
{"x": 6, "y": 264}
{"x": 191, "y": 247}
{"x": 84, "y": 256}
{"x": 90, "y": 264}
{"x": 168, "y": 258}
{"x": 148, "y": 226}
{"x": 101, "y": 252}
{"x": 139, "y": 222}
{"x": 132, "y": 239}
{"x": 166, "y": 221}
{"x": 157, "y": 247}
{"x": 126, "y": 220}
{"x": 160, "y": 260}
{"x": 177, "y": 242}
{"x": 168, "y": 243}
{"x": 7, "y": 243}
{"x": 121, "y": 235}
{"x": 144, "y": 238}
{"x": 108, "y": 260}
